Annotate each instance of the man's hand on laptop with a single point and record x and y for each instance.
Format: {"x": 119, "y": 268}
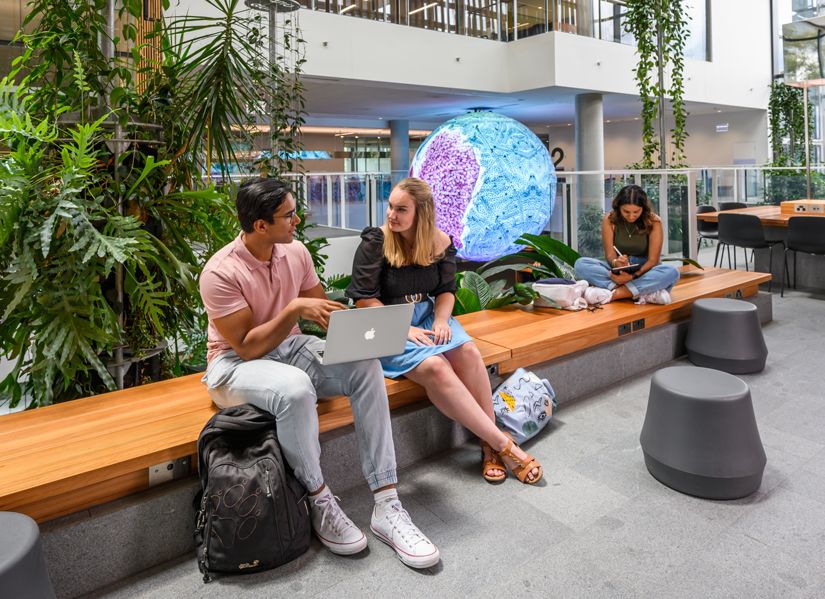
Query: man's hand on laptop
{"x": 420, "y": 336}
{"x": 315, "y": 309}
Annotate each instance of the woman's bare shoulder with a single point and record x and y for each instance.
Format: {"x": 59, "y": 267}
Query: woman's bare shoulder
{"x": 442, "y": 241}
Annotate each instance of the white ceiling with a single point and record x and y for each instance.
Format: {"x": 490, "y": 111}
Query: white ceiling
{"x": 349, "y": 103}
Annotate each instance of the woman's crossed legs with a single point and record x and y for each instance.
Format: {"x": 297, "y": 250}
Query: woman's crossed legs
{"x": 458, "y": 384}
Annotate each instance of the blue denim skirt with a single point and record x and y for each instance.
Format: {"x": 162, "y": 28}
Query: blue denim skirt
{"x": 423, "y": 317}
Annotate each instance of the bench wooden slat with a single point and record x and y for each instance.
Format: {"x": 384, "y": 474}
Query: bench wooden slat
{"x": 554, "y": 333}
{"x": 63, "y": 458}
{"x": 48, "y": 507}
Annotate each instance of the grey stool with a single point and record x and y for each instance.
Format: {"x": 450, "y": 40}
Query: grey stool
{"x": 23, "y": 573}
{"x": 725, "y": 334}
{"x": 700, "y": 435}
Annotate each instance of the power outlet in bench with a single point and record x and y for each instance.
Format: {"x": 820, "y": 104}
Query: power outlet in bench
{"x": 166, "y": 471}
{"x": 631, "y": 327}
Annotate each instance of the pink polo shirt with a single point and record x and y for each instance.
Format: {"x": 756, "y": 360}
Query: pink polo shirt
{"x": 234, "y": 279}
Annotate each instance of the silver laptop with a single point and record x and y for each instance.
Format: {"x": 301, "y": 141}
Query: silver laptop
{"x": 365, "y": 333}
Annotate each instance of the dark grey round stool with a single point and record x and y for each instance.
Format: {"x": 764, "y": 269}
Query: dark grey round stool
{"x": 700, "y": 436}
{"x": 23, "y": 573}
{"x": 725, "y": 334}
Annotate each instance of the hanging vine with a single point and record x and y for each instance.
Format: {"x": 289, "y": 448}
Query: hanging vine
{"x": 659, "y": 25}
{"x": 787, "y": 123}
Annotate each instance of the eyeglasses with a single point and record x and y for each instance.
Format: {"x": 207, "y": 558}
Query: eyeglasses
{"x": 289, "y": 215}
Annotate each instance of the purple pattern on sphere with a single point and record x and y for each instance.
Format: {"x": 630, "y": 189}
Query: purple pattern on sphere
{"x": 451, "y": 168}
{"x": 505, "y": 169}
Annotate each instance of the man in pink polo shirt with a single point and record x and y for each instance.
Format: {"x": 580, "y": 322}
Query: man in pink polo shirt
{"x": 254, "y": 290}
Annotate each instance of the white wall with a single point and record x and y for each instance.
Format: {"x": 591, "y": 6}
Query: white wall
{"x": 340, "y": 253}
{"x": 745, "y": 140}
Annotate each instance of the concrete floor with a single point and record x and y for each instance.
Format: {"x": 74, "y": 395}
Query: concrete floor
{"x": 598, "y": 525}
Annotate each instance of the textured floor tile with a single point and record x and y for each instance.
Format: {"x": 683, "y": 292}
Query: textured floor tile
{"x": 563, "y": 499}
{"x": 809, "y": 479}
{"x": 642, "y": 546}
{"x": 507, "y": 534}
{"x": 803, "y": 416}
{"x": 791, "y": 523}
{"x": 620, "y": 467}
{"x": 564, "y": 575}
{"x": 562, "y": 444}
{"x": 740, "y": 566}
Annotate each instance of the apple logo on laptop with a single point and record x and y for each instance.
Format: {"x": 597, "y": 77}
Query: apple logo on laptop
{"x": 370, "y": 334}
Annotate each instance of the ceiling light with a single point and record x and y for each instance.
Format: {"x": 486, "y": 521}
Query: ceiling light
{"x": 607, "y": 121}
{"x": 425, "y": 7}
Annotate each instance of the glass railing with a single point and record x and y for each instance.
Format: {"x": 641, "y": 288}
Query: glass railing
{"x": 514, "y": 19}
{"x": 352, "y": 201}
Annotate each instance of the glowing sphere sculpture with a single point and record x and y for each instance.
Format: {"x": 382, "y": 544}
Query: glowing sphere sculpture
{"x": 492, "y": 180}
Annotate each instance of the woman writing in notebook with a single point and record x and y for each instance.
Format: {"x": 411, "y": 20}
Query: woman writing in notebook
{"x": 632, "y": 238}
{"x": 408, "y": 259}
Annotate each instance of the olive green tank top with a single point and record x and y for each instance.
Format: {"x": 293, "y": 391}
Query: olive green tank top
{"x": 630, "y": 240}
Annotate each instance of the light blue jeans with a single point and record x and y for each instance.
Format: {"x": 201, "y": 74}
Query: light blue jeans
{"x": 287, "y": 383}
{"x": 597, "y": 273}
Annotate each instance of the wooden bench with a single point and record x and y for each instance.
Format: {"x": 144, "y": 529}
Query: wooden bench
{"x": 65, "y": 458}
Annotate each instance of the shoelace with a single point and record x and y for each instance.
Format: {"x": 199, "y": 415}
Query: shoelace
{"x": 330, "y": 507}
{"x": 400, "y": 520}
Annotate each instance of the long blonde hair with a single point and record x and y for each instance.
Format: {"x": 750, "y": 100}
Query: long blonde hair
{"x": 423, "y": 251}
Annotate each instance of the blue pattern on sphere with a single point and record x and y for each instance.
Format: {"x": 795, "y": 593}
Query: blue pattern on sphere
{"x": 514, "y": 192}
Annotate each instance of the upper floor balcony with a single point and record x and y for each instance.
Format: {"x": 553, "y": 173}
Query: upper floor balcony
{"x": 510, "y": 20}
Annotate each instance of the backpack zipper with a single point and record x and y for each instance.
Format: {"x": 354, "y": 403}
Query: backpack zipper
{"x": 271, "y": 495}
{"x": 290, "y": 509}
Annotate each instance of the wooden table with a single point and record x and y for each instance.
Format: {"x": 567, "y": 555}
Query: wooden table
{"x": 810, "y": 273}
{"x": 770, "y": 216}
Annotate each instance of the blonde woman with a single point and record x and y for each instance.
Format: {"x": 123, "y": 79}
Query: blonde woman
{"x": 408, "y": 259}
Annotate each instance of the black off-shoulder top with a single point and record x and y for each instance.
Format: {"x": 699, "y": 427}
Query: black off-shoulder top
{"x": 373, "y": 277}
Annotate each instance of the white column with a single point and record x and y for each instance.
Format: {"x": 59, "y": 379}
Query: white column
{"x": 590, "y": 146}
{"x": 399, "y": 149}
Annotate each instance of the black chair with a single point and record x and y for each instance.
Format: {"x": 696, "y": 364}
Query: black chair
{"x": 721, "y": 246}
{"x": 805, "y": 234}
{"x": 731, "y": 206}
{"x": 745, "y": 231}
{"x": 706, "y": 230}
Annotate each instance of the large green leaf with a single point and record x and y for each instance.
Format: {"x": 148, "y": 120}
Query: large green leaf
{"x": 690, "y": 261}
{"x": 465, "y": 302}
{"x": 499, "y": 302}
{"x": 547, "y": 246}
{"x": 496, "y": 287}
{"x": 481, "y": 288}
{"x": 540, "y": 270}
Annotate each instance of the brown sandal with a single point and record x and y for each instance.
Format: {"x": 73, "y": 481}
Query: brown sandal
{"x": 521, "y": 468}
{"x": 494, "y": 463}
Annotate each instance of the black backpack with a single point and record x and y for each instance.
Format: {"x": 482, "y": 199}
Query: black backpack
{"x": 253, "y": 514}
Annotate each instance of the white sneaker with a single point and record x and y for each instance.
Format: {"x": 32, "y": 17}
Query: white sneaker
{"x": 597, "y": 296}
{"x": 392, "y": 524}
{"x": 657, "y": 297}
{"x": 332, "y": 526}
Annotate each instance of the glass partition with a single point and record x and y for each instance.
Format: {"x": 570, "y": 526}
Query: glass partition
{"x": 352, "y": 201}
{"x": 510, "y": 20}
